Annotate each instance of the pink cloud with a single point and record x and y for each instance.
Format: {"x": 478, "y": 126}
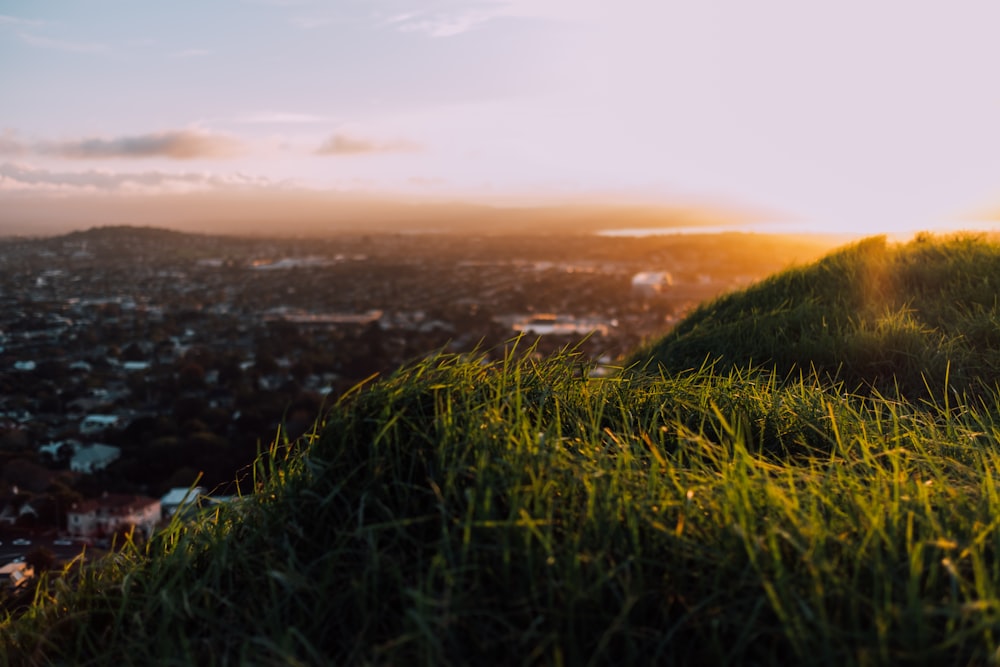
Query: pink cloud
{"x": 343, "y": 144}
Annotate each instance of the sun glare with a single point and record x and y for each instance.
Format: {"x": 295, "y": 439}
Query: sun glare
{"x": 895, "y": 230}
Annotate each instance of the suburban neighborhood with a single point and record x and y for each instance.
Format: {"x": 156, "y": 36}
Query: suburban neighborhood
{"x": 136, "y": 363}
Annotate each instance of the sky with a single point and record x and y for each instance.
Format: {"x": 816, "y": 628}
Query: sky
{"x": 858, "y": 115}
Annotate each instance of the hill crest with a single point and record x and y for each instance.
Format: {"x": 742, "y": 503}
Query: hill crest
{"x": 907, "y": 317}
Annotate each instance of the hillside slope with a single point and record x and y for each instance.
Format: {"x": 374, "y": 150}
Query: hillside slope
{"x": 524, "y": 512}
{"x": 872, "y": 314}
{"x": 521, "y": 513}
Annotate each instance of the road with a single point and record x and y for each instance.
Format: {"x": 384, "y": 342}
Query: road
{"x": 9, "y": 552}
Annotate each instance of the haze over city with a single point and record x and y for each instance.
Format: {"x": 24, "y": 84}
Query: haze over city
{"x": 849, "y": 117}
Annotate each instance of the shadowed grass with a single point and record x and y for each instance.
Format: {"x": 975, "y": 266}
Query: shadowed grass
{"x": 520, "y": 512}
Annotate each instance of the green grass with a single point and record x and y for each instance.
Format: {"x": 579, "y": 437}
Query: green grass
{"x": 874, "y": 314}
{"x": 522, "y": 512}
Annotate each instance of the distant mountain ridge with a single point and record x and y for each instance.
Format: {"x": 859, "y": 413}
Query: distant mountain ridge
{"x": 125, "y": 243}
{"x": 124, "y": 231}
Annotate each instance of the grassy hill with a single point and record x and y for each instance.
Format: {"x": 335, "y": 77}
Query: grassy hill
{"x": 873, "y": 315}
{"x": 522, "y": 512}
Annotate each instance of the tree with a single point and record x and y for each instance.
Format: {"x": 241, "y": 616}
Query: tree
{"x": 265, "y": 363}
{"x": 191, "y": 376}
{"x": 188, "y": 407}
{"x": 230, "y": 371}
{"x": 133, "y": 352}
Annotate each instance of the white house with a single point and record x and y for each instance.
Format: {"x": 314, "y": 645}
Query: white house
{"x": 133, "y": 366}
{"x": 101, "y": 517}
{"x": 178, "y": 496}
{"x": 91, "y": 458}
{"x": 550, "y": 323}
{"x": 92, "y": 424}
{"x": 651, "y": 282}
{"x": 54, "y": 450}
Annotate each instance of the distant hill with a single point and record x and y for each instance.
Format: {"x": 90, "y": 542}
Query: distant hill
{"x": 127, "y": 232}
{"x": 872, "y": 314}
{"x": 304, "y": 213}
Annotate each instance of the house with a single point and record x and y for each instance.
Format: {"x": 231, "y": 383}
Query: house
{"x": 549, "y": 323}
{"x": 648, "y": 283}
{"x": 134, "y": 366}
{"x": 101, "y": 517}
{"x": 15, "y": 507}
{"x": 92, "y": 424}
{"x": 85, "y": 404}
{"x": 91, "y": 458}
{"x": 15, "y": 575}
{"x": 59, "y": 451}
{"x": 184, "y": 498}
{"x": 178, "y": 496}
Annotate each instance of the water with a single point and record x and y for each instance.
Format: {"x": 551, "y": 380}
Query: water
{"x": 750, "y": 227}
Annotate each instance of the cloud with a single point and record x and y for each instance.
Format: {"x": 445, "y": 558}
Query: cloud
{"x": 22, "y": 179}
{"x": 10, "y": 144}
{"x": 459, "y": 18}
{"x": 557, "y": 10}
{"x": 279, "y": 3}
{"x": 6, "y": 19}
{"x": 61, "y": 45}
{"x": 426, "y": 182}
{"x": 283, "y": 118}
{"x": 343, "y": 144}
{"x": 310, "y": 22}
{"x": 191, "y": 53}
{"x": 174, "y": 144}
{"x": 440, "y": 24}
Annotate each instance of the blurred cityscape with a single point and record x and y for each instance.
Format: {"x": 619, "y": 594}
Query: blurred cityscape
{"x": 135, "y": 362}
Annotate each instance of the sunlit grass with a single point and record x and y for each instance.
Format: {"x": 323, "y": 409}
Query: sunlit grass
{"x": 465, "y": 512}
{"x": 892, "y": 317}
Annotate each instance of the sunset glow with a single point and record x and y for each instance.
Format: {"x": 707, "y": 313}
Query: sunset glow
{"x": 850, "y": 118}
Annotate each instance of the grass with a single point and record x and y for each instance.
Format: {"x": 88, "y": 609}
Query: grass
{"x": 892, "y": 317}
{"x": 523, "y": 512}
{"x": 519, "y": 512}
